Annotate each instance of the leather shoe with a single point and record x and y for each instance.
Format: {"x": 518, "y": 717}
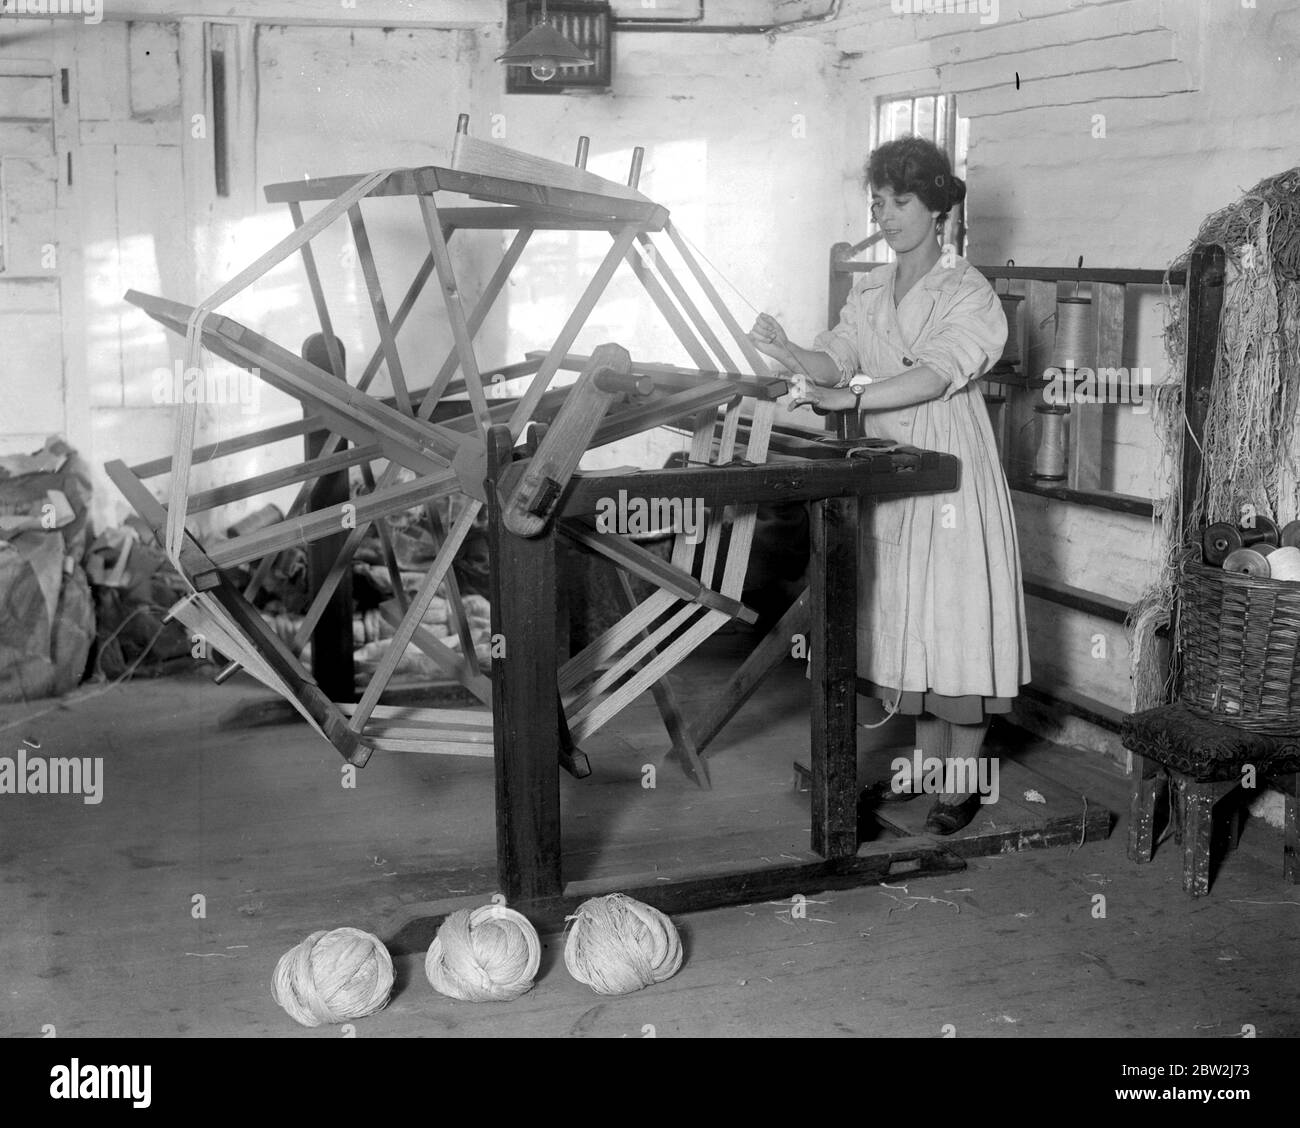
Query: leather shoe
{"x": 948, "y": 818}
{"x": 881, "y": 793}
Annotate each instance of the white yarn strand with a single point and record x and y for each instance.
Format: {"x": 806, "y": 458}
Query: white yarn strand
{"x": 488, "y": 954}
{"x": 617, "y": 945}
{"x": 334, "y": 976}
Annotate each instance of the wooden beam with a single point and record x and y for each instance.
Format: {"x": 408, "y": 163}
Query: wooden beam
{"x": 631, "y": 557}
{"x": 387, "y": 339}
{"x": 237, "y": 445}
{"x": 833, "y": 606}
{"x": 525, "y": 697}
{"x": 716, "y": 487}
{"x": 775, "y": 647}
{"x": 469, "y": 154}
{"x": 287, "y": 476}
{"x": 330, "y": 520}
{"x": 692, "y": 888}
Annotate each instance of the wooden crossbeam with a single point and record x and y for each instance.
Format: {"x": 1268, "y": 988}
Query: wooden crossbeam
{"x": 236, "y": 445}
{"x": 527, "y": 404}
{"x": 672, "y": 375}
{"x": 275, "y": 479}
{"x": 415, "y": 614}
{"x": 670, "y": 707}
{"x": 561, "y": 204}
{"x": 631, "y": 557}
{"x": 460, "y": 328}
{"x": 419, "y": 445}
{"x": 463, "y": 667}
{"x": 387, "y": 339}
{"x": 477, "y": 316}
{"x": 330, "y": 520}
{"x": 470, "y": 154}
{"x": 761, "y": 661}
{"x": 244, "y": 622}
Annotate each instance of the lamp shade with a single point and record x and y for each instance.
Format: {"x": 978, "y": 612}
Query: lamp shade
{"x": 544, "y": 44}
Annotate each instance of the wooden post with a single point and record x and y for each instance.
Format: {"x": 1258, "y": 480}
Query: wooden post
{"x": 834, "y": 643}
{"x": 1205, "y": 276}
{"x": 1149, "y": 783}
{"x": 525, "y": 697}
{"x": 332, "y": 661}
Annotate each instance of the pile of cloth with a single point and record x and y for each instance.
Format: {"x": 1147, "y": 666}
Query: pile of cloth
{"x": 47, "y": 621}
{"x": 415, "y": 536}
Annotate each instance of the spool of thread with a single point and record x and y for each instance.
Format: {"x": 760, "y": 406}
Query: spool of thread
{"x": 1049, "y": 463}
{"x": 1011, "y": 310}
{"x": 484, "y": 955}
{"x": 1223, "y": 538}
{"x": 617, "y": 945}
{"x": 1075, "y": 339}
{"x": 1290, "y": 535}
{"x": 1249, "y": 561}
{"x": 334, "y": 976}
{"x": 1284, "y": 564}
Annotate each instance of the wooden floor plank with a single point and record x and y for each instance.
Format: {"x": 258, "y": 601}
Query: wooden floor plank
{"x": 100, "y": 938}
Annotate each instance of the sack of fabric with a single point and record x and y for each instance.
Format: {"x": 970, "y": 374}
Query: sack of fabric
{"x": 47, "y": 619}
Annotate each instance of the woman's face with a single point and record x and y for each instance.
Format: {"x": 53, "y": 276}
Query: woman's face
{"x": 905, "y": 220}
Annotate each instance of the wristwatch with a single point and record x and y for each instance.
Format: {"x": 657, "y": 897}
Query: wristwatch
{"x": 858, "y": 385}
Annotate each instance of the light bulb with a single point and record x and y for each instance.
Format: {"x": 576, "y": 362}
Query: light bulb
{"x": 543, "y": 69}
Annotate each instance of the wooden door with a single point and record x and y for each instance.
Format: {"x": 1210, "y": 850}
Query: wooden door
{"x": 32, "y": 370}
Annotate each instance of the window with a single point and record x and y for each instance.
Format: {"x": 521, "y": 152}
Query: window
{"x": 934, "y": 117}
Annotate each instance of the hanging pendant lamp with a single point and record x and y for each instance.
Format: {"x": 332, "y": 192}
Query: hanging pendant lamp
{"x": 543, "y": 50}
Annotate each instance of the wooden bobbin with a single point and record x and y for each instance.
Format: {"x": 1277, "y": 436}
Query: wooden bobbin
{"x": 1249, "y": 561}
{"x": 1050, "y": 462}
{"x": 1223, "y": 538}
{"x": 1074, "y": 346}
{"x": 1290, "y": 536}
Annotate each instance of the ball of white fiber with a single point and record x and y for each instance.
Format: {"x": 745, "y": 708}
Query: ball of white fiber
{"x": 334, "y": 976}
{"x": 616, "y": 945}
{"x": 488, "y": 954}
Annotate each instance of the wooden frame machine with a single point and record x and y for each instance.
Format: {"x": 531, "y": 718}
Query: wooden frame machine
{"x": 518, "y": 458}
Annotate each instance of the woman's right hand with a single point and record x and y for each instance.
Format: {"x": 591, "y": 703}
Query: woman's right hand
{"x": 770, "y": 339}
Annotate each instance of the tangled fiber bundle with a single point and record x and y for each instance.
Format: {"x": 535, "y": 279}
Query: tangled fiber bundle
{"x": 489, "y": 954}
{"x": 1251, "y": 442}
{"x": 334, "y": 976}
{"x": 617, "y": 945}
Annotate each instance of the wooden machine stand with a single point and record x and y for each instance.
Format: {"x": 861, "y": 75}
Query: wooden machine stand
{"x": 525, "y": 695}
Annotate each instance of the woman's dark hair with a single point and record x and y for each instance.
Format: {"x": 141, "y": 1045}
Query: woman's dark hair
{"x": 917, "y": 167}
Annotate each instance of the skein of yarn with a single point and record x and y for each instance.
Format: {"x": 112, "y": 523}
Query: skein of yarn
{"x": 1284, "y": 564}
{"x": 334, "y": 976}
{"x": 488, "y": 954}
{"x": 617, "y": 945}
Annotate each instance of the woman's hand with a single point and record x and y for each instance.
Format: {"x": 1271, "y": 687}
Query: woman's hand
{"x": 770, "y": 339}
{"x": 818, "y": 398}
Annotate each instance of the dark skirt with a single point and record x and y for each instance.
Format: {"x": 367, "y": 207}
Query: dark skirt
{"x": 970, "y": 709}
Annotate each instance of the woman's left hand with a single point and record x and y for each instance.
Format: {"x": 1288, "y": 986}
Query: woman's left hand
{"x": 818, "y": 398}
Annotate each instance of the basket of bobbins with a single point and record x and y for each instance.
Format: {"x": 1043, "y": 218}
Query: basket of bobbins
{"x": 1239, "y": 626}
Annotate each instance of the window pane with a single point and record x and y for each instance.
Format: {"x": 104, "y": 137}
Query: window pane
{"x": 902, "y": 119}
{"x": 925, "y": 119}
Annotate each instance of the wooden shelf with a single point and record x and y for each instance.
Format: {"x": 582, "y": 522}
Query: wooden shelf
{"x": 1100, "y": 499}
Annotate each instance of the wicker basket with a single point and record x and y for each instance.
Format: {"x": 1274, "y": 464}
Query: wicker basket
{"x": 1240, "y": 640}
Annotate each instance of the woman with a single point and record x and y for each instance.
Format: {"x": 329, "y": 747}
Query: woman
{"x": 941, "y": 633}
